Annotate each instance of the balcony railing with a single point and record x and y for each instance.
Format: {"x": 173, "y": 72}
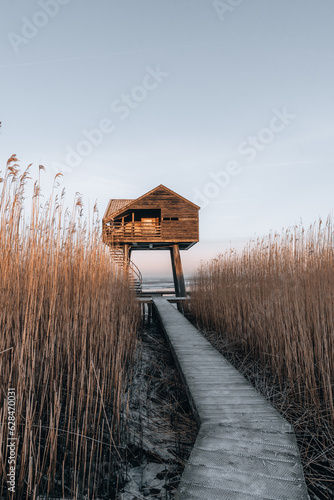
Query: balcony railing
{"x": 131, "y": 230}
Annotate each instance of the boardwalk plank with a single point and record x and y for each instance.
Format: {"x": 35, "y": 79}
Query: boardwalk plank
{"x": 245, "y": 449}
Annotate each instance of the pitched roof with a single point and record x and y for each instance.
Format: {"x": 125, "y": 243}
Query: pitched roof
{"x": 125, "y": 203}
{"x": 115, "y": 205}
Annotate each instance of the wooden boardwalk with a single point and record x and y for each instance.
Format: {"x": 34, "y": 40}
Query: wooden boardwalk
{"x": 244, "y": 450}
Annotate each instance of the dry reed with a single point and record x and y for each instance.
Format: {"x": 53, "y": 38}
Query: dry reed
{"x": 273, "y": 304}
{"x": 68, "y": 323}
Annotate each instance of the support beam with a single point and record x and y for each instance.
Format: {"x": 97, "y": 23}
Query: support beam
{"x": 127, "y": 250}
{"x": 180, "y": 288}
{"x": 176, "y": 283}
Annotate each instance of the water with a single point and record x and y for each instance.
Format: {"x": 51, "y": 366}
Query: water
{"x": 157, "y": 283}
{"x": 164, "y": 283}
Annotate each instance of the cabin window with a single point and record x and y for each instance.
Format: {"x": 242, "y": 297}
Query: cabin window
{"x": 174, "y": 218}
{"x": 166, "y": 218}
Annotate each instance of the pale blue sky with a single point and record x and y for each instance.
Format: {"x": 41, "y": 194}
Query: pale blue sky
{"x": 228, "y": 77}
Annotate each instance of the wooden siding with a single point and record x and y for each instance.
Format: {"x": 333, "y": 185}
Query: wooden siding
{"x": 185, "y": 228}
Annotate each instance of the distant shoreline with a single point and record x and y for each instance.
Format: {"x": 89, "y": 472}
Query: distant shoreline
{"x": 152, "y": 282}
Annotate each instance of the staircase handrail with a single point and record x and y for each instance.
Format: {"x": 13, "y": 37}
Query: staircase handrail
{"x": 137, "y": 272}
{"x": 119, "y": 259}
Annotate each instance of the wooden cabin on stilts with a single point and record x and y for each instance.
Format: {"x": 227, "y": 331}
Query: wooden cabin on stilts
{"x": 159, "y": 220}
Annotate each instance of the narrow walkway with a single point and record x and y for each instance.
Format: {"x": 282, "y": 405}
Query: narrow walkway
{"x": 244, "y": 450}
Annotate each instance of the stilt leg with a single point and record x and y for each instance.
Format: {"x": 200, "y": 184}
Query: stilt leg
{"x": 176, "y": 283}
{"x": 180, "y": 288}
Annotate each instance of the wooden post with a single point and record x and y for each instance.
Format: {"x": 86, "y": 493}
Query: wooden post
{"x": 180, "y": 288}
{"x": 176, "y": 283}
{"x": 126, "y": 256}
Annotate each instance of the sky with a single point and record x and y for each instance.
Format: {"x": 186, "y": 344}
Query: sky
{"x": 229, "y": 103}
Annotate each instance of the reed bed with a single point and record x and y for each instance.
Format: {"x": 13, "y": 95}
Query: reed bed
{"x": 68, "y": 323}
{"x": 270, "y": 309}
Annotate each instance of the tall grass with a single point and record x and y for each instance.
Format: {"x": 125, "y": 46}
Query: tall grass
{"x": 68, "y": 326}
{"x": 273, "y": 304}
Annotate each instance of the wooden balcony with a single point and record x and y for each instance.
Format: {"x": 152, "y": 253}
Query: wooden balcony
{"x": 130, "y": 231}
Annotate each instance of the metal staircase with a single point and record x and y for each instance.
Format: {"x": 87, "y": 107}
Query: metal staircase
{"x": 133, "y": 273}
